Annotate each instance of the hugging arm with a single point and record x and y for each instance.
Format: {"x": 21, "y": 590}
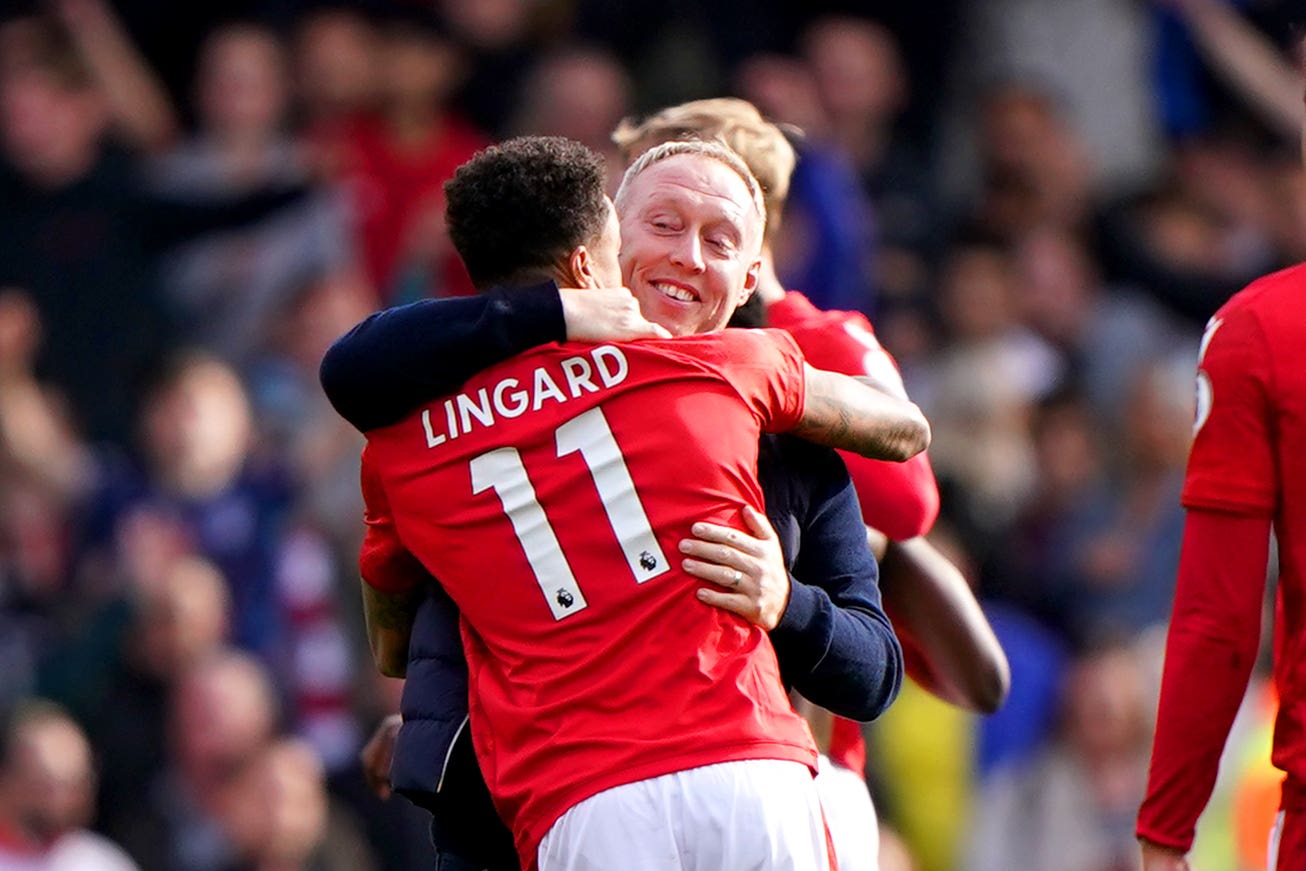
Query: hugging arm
{"x": 398, "y": 358}
{"x": 841, "y": 412}
{"x": 386, "y": 366}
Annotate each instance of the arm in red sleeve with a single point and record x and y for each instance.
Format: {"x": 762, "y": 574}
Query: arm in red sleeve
{"x": 1214, "y": 634}
{"x": 899, "y": 499}
{"x": 393, "y": 579}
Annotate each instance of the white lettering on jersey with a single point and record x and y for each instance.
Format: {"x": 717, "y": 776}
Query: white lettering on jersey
{"x": 1205, "y": 392}
{"x": 509, "y": 398}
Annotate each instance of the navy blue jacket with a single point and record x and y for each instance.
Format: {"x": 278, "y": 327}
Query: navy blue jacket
{"x": 834, "y": 644}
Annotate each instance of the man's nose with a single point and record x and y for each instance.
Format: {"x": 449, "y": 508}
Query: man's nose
{"x": 688, "y": 252}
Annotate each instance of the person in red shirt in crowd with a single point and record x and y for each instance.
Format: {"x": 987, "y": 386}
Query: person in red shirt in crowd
{"x": 1246, "y": 479}
{"x": 583, "y": 729}
{"x": 394, "y": 161}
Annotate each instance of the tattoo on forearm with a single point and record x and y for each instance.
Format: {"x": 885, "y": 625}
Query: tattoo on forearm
{"x": 831, "y": 421}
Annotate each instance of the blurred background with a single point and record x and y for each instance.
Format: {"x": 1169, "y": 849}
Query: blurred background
{"x": 1037, "y": 203}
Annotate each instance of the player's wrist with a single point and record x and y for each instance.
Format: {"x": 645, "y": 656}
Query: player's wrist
{"x": 1150, "y": 845}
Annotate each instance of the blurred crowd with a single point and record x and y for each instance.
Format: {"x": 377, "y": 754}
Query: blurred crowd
{"x": 1038, "y": 205}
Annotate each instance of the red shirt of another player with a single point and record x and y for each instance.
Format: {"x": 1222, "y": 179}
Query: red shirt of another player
{"x": 899, "y": 499}
{"x": 1247, "y": 468}
{"x": 549, "y": 497}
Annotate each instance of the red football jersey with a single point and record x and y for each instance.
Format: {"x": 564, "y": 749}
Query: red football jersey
{"x": 549, "y": 497}
{"x": 1249, "y": 457}
{"x": 899, "y": 499}
{"x": 1248, "y": 461}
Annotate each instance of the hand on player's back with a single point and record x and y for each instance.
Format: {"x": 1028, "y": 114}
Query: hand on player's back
{"x": 605, "y": 315}
{"x": 378, "y": 753}
{"x": 751, "y": 568}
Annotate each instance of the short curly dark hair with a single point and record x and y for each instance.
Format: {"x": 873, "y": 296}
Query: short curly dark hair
{"x": 517, "y": 209}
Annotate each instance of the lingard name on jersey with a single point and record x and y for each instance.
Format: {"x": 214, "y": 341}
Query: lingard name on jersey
{"x": 597, "y": 369}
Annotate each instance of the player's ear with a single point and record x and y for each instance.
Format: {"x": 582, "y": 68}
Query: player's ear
{"x": 751, "y": 277}
{"x": 581, "y": 266}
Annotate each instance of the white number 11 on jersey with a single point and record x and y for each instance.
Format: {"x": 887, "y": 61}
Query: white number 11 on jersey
{"x": 588, "y": 433}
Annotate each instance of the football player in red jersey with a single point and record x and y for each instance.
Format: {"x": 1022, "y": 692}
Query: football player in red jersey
{"x": 574, "y": 716}
{"x": 1246, "y": 478}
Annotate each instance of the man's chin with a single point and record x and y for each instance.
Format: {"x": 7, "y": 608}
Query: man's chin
{"x": 675, "y": 319}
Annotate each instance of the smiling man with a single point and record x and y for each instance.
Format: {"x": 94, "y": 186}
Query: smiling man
{"x": 683, "y": 244}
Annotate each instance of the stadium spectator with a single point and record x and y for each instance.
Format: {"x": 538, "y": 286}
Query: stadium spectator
{"x": 1070, "y": 807}
{"x": 394, "y": 159}
{"x": 829, "y": 247}
{"x": 279, "y": 817}
{"x": 178, "y": 620}
{"x": 47, "y": 789}
{"x": 296, "y": 423}
{"x": 228, "y": 287}
{"x": 221, "y": 714}
{"x": 579, "y": 93}
{"x": 335, "y": 67}
{"x": 200, "y": 486}
{"x": 81, "y": 232}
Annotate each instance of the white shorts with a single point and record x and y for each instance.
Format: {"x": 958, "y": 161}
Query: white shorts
{"x": 733, "y": 816}
{"x": 854, "y": 829}
{"x": 1276, "y": 835}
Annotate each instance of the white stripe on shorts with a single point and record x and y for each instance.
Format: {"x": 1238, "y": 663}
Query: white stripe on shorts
{"x": 1272, "y": 854}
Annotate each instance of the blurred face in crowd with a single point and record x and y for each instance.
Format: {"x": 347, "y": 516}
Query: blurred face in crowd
{"x": 49, "y": 780}
{"x": 857, "y": 68}
{"x": 488, "y": 24}
{"x": 1055, "y": 284}
{"x": 690, "y": 242}
{"x": 977, "y": 293}
{"x": 1159, "y": 416}
{"x": 242, "y": 84}
{"x": 1107, "y": 707}
{"x": 336, "y": 60}
{"x": 50, "y": 129}
{"x": 581, "y": 95}
{"x": 198, "y": 428}
{"x": 182, "y": 619}
{"x": 277, "y": 810}
{"x": 322, "y": 314}
{"x": 222, "y": 714}
{"x": 418, "y": 68}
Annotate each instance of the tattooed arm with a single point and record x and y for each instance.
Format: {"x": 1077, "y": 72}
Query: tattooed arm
{"x": 843, "y": 413}
{"x": 389, "y": 625}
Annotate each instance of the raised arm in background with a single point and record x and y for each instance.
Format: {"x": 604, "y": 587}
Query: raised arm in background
{"x": 1246, "y": 60}
{"x": 137, "y": 100}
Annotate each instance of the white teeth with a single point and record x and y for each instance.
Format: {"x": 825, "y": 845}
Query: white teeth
{"x": 678, "y": 293}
